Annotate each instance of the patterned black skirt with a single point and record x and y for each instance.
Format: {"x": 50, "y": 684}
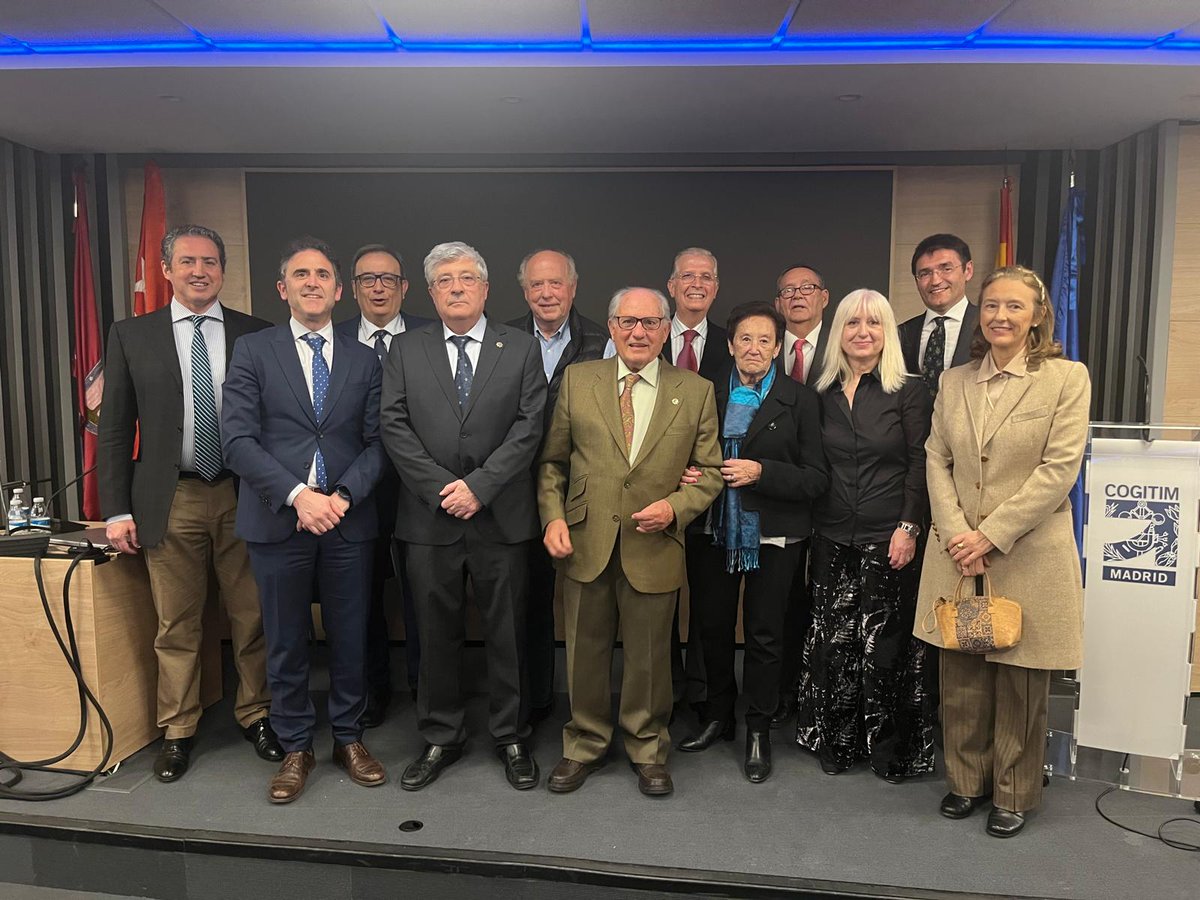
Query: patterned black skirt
{"x": 865, "y": 688}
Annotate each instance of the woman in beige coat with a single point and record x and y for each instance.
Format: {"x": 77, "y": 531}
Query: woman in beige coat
{"x": 1008, "y": 437}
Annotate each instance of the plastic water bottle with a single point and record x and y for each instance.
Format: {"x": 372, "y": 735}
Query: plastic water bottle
{"x": 39, "y": 515}
{"x": 16, "y": 512}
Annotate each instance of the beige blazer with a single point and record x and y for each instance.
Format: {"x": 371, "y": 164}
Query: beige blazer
{"x": 1013, "y": 487}
{"x": 587, "y": 478}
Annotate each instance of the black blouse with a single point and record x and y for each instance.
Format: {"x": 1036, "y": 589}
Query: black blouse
{"x": 876, "y": 454}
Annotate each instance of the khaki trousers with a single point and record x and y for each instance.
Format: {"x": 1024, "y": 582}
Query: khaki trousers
{"x": 994, "y": 729}
{"x": 592, "y": 612}
{"x": 199, "y": 539}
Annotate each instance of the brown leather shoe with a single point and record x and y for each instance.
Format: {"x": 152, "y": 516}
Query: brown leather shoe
{"x": 653, "y": 780}
{"x": 359, "y": 764}
{"x": 289, "y": 781}
{"x": 570, "y": 774}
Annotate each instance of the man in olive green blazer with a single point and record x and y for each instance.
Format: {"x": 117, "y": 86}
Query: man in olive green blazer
{"x": 623, "y": 431}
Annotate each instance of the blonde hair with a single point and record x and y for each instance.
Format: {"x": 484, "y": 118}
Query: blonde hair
{"x": 835, "y": 367}
{"x": 1040, "y": 344}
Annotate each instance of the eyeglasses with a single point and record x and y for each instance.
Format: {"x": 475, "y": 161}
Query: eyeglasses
{"x": 649, "y": 323}
{"x": 368, "y": 279}
{"x": 806, "y": 289}
{"x": 467, "y": 280}
{"x": 944, "y": 270}
{"x": 705, "y": 278}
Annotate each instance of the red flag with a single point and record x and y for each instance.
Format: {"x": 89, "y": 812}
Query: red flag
{"x": 1004, "y": 252}
{"x": 150, "y": 289}
{"x": 86, "y": 363}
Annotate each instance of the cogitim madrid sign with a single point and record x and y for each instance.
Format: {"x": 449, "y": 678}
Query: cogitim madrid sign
{"x": 1146, "y": 516}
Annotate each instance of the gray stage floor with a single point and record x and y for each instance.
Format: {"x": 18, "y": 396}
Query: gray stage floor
{"x": 801, "y": 823}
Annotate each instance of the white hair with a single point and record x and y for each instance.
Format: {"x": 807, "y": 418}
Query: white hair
{"x": 449, "y": 251}
{"x": 615, "y": 303}
{"x": 693, "y": 251}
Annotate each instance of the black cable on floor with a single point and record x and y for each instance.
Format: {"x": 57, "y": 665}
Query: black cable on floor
{"x": 1170, "y": 842}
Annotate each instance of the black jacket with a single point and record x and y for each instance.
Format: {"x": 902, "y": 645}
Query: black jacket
{"x": 587, "y": 342}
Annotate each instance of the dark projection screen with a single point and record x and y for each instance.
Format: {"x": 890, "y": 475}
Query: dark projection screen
{"x": 623, "y": 227}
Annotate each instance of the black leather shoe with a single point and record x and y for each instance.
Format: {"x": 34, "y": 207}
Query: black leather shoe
{"x": 785, "y": 710}
{"x": 830, "y": 765}
{"x": 172, "y": 759}
{"x": 1004, "y": 823}
{"x": 956, "y": 807}
{"x": 428, "y": 766}
{"x": 377, "y": 707}
{"x": 758, "y": 756}
{"x": 709, "y": 733}
{"x": 520, "y": 767}
{"x": 262, "y": 736}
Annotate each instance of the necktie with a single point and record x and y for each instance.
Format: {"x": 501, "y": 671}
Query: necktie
{"x": 207, "y": 430}
{"x": 320, "y": 381}
{"x": 935, "y": 355}
{"x": 797, "y": 372}
{"x": 380, "y": 344}
{"x": 627, "y": 410}
{"x": 687, "y": 355}
{"x": 462, "y": 371}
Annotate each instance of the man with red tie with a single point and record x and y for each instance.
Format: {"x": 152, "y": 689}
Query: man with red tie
{"x": 801, "y": 298}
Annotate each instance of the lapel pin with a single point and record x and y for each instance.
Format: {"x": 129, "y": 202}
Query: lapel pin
{"x": 675, "y": 401}
{"x": 771, "y": 427}
{"x": 500, "y": 344}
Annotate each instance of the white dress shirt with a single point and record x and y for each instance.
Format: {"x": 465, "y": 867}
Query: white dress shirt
{"x": 367, "y": 329}
{"x": 810, "y": 354}
{"x": 299, "y": 332}
{"x": 953, "y": 325}
{"x": 645, "y": 390}
{"x": 473, "y": 345}
{"x": 698, "y": 342}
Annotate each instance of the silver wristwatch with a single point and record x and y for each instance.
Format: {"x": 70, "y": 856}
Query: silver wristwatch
{"x": 909, "y": 528}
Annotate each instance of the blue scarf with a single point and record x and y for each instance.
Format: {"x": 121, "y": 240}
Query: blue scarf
{"x": 734, "y": 528}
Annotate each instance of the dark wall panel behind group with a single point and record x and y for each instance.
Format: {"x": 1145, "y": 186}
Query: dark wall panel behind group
{"x": 622, "y": 227}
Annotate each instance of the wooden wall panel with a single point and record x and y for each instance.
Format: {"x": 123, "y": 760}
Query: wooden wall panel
{"x": 962, "y": 200}
{"x": 215, "y": 198}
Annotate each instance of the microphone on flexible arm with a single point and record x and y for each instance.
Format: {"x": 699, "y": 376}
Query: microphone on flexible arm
{"x": 67, "y": 524}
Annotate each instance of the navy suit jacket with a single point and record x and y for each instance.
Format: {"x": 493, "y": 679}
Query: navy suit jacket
{"x": 490, "y": 445}
{"x": 349, "y": 328}
{"x": 270, "y": 432}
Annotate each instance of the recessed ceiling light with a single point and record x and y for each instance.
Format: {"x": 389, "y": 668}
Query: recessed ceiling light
{"x": 849, "y": 98}
{"x": 170, "y": 98}
{"x": 510, "y": 99}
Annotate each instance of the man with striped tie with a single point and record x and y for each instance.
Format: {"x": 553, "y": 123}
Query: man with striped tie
{"x": 175, "y": 499}
{"x": 379, "y": 286}
{"x": 301, "y": 429}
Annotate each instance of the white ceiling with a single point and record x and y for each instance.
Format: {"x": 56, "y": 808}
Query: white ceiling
{"x": 591, "y": 76}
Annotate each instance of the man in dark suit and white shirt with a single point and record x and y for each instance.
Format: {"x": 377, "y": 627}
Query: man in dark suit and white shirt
{"x": 801, "y": 298}
{"x": 462, "y": 420}
{"x": 301, "y": 430}
{"x": 549, "y": 280}
{"x": 176, "y": 499}
{"x": 379, "y": 286}
{"x": 940, "y": 338}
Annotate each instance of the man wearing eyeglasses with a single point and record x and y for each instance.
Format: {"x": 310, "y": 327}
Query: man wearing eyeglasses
{"x": 802, "y": 298}
{"x": 940, "y": 337}
{"x": 696, "y": 343}
{"x": 379, "y": 288}
{"x": 610, "y": 498}
{"x": 462, "y": 421}
{"x": 549, "y": 280}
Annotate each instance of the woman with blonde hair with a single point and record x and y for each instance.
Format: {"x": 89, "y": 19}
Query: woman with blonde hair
{"x": 1008, "y": 435}
{"x": 864, "y": 691}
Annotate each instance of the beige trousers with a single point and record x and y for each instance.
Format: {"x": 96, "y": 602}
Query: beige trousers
{"x": 199, "y": 539}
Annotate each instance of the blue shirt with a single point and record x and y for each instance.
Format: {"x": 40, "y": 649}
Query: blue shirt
{"x": 553, "y": 346}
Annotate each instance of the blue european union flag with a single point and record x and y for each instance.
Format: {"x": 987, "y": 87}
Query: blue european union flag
{"x": 1064, "y": 294}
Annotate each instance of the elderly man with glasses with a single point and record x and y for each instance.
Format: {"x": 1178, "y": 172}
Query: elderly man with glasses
{"x": 614, "y": 511}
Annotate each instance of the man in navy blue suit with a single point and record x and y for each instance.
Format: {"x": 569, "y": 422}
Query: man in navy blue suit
{"x": 300, "y": 425}
{"x": 379, "y": 285}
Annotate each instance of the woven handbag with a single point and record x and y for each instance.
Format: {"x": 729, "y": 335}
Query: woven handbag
{"x": 981, "y": 623}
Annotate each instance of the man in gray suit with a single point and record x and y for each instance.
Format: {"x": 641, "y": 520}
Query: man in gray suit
{"x": 175, "y": 500}
{"x": 462, "y": 419}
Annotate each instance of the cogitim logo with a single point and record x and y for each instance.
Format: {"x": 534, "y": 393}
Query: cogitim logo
{"x": 1148, "y": 516}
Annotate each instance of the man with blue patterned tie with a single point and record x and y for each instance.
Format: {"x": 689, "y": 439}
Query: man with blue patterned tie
{"x": 175, "y": 500}
{"x": 462, "y": 420}
{"x": 301, "y": 428}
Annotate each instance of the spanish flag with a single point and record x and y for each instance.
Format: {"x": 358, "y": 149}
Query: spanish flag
{"x": 1004, "y": 252}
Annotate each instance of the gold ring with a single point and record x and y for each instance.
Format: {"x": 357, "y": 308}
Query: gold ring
{"x": 960, "y": 546}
